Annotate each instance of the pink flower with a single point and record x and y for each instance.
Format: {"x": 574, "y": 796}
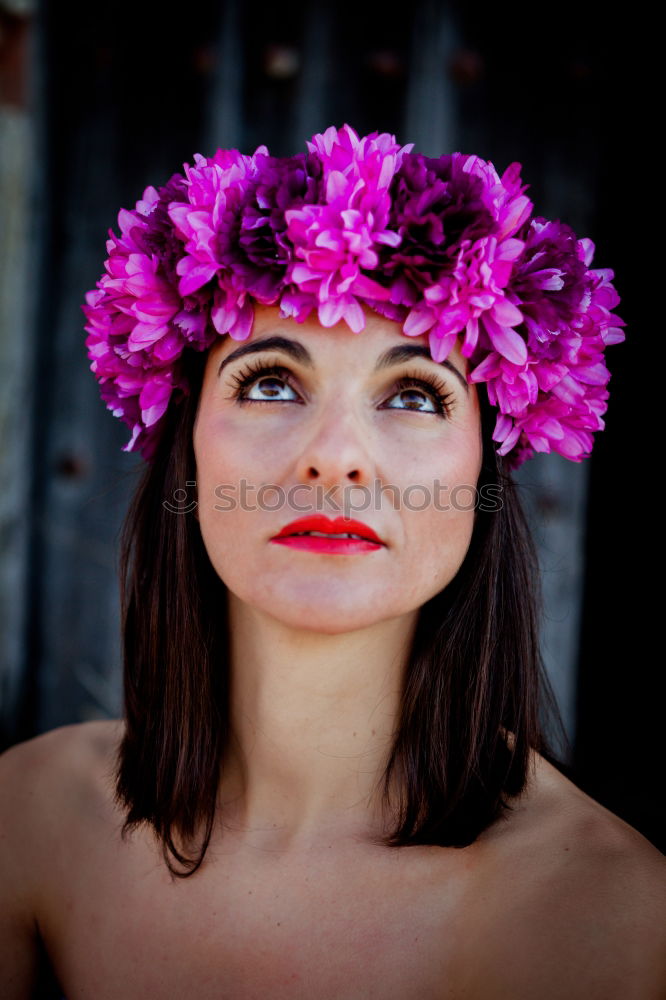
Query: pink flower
{"x": 207, "y": 220}
{"x": 209, "y": 224}
{"x": 336, "y": 243}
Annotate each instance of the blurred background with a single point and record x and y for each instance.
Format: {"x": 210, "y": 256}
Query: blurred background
{"x": 98, "y": 101}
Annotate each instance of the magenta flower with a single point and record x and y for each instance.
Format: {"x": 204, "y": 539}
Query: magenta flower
{"x": 557, "y": 398}
{"x": 138, "y": 323}
{"x": 209, "y": 224}
{"x": 207, "y": 219}
{"x": 336, "y": 243}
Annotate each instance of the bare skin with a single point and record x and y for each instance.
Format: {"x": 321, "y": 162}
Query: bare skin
{"x": 561, "y": 900}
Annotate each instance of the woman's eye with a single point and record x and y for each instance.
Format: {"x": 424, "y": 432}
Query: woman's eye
{"x": 269, "y": 387}
{"x": 414, "y": 400}
{"x": 419, "y": 397}
{"x": 263, "y": 384}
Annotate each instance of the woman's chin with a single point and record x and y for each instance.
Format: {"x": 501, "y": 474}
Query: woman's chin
{"x": 323, "y": 608}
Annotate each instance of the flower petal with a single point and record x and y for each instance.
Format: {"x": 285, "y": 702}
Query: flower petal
{"x": 506, "y": 341}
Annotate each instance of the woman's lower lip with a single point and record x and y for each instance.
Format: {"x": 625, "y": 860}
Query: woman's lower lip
{"x": 332, "y": 546}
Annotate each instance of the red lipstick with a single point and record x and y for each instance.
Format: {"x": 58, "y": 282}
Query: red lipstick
{"x": 297, "y": 534}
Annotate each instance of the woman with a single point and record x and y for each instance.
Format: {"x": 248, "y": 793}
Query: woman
{"x": 331, "y": 780}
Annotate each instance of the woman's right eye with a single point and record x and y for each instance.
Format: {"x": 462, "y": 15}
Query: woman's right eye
{"x": 267, "y": 388}
{"x": 263, "y": 384}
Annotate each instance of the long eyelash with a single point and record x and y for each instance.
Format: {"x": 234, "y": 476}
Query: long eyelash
{"x": 442, "y": 396}
{"x": 243, "y": 379}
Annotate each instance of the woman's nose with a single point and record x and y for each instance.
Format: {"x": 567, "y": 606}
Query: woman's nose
{"x": 337, "y": 450}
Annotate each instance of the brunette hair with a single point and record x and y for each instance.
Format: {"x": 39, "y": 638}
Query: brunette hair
{"x": 475, "y": 700}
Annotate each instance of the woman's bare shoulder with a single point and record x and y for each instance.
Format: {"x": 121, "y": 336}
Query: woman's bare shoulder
{"x": 57, "y": 800}
{"x": 589, "y": 883}
{"x": 44, "y": 779}
{"x": 556, "y": 827}
{"x": 568, "y": 816}
{"x": 64, "y": 746}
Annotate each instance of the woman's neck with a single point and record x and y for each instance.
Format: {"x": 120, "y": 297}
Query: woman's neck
{"x": 312, "y": 719}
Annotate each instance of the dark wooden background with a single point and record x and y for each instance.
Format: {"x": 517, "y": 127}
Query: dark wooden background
{"x": 98, "y": 101}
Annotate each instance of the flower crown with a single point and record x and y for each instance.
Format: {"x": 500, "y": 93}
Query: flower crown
{"x": 443, "y": 246}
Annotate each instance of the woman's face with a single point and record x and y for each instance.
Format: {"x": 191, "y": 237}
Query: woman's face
{"x": 335, "y": 427}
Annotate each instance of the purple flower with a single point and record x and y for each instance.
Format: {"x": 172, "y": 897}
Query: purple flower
{"x": 465, "y": 273}
{"x": 437, "y": 209}
{"x": 551, "y": 281}
{"x": 263, "y": 252}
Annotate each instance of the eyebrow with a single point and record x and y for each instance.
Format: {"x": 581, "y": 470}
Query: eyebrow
{"x": 394, "y": 356}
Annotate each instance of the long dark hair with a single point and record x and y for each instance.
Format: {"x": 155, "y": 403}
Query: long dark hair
{"x": 475, "y": 699}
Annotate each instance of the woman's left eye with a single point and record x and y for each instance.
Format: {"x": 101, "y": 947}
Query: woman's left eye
{"x": 414, "y": 392}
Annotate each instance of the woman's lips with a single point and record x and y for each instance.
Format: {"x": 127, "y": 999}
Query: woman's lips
{"x": 317, "y": 534}
{"x": 332, "y": 546}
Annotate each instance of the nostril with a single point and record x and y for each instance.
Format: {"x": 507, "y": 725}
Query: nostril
{"x": 314, "y": 473}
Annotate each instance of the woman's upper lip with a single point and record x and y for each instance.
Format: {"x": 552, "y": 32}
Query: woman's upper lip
{"x": 332, "y": 526}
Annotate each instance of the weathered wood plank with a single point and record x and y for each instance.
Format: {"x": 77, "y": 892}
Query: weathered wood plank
{"x": 16, "y": 154}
